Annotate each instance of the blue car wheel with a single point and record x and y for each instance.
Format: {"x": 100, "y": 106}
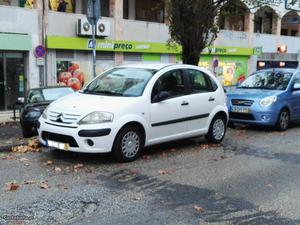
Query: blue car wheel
{"x": 283, "y": 120}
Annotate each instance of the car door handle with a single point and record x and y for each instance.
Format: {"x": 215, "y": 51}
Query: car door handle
{"x": 184, "y": 103}
{"x": 211, "y": 99}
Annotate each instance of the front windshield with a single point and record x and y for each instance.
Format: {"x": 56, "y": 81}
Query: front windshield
{"x": 274, "y": 80}
{"x": 121, "y": 82}
{"x": 46, "y": 95}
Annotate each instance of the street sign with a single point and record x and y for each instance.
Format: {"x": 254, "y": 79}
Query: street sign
{"x": 40, "y": 61}
{"x": 39, "y": 51}
{"x": 93, "y": 11}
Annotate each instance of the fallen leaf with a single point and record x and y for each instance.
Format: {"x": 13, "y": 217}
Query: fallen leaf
{"x": 78, "y": 166}
{"x": 270, "y": 185}
{"x": 12, "y": 186}
{"x": 29, "y": 182}
{"x": 223, "y": 157}
{"x": 136, "y": 198}
{"x": 32, "y": 146}
{"x": 166, "y": 171}
{"x": 48, "y": 163}
{"x": 44, "y": 185}
{"x": 146, "y": 157}
{"x": 63, "y": 186}
{"x": 26, "y": 164}
{"x": 198, "y": 208}
{"x": 23, "y": 159}
{"x": 57, "y": 169}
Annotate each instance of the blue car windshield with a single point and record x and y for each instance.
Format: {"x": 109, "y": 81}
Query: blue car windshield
{"x": 273, "y": 80}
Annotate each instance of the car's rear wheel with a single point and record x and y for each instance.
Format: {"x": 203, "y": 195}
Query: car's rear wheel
{"x": 217, "y": 130}
{"x": 283, "y": 120}
{"x": 128, "y": 144}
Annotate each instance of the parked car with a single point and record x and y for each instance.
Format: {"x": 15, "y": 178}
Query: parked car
{"x": 132, "y": 106}
{"x": 36, "y": 101}
{"x": 267, "y": 97}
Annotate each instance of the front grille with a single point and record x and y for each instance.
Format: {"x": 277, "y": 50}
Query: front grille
{"x": 241, "y": 102}
{"x": 241, "y": 116}
{"x": 59, "y": 138}
{"x": 61, "y": 117}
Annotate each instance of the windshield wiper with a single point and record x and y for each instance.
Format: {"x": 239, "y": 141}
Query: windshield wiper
{"x": 104, "y": 92}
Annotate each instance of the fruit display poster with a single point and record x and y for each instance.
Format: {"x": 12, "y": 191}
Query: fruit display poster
{"x": 77, "y": 74}
{"x": 230, "y": 70}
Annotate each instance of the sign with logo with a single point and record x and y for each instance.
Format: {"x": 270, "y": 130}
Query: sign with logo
{"x": 39, "y": 51}
{"x": 257, "y": 50}
{"x": 40, "y": 61}
{"x": 91, "y": 43}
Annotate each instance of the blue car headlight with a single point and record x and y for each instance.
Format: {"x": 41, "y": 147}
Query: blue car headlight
{"x": 33, "y": 114}
{"x": 267, "y": 101}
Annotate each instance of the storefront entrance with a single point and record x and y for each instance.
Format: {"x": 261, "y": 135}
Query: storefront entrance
{"x": 12, "y": 76}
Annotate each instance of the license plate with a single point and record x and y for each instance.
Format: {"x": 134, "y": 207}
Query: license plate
{"x": 54, "y": 144}
{"x": 240, "y": 109}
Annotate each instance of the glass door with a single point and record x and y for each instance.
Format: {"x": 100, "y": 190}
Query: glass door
{"x": 2, "y": 83}
{"x": 14, "y": 76}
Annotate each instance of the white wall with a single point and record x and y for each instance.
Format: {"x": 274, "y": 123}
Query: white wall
{"x": 25, "y": 21}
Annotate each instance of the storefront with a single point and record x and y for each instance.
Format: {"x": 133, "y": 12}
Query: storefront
{"x": 13, "y": 53}
{"x": 71, "y": 57}
{"x": 229, "y": 64}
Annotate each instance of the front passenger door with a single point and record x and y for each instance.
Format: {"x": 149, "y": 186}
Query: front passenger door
{"x": 168, "y": 116}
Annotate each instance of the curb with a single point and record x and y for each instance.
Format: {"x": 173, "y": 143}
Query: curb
{"x": 7, "y": 147}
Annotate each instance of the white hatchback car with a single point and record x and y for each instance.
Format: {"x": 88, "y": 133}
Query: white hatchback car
{"x": 132, "y": 106}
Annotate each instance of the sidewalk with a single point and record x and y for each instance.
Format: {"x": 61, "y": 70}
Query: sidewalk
{"x": 10, "y": 131}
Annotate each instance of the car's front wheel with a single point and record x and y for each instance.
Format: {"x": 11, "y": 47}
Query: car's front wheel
{"x": 217, "y": 130}
{"x": 128, "y": 144}
{"x": 283, "y": 120}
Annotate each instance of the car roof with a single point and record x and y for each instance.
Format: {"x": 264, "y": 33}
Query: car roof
{"x": 49, "y": 87}
{"x": 291, "y": 70}
{"x": 155, "y": 66}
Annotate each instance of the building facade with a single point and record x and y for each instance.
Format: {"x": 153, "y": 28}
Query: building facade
{"x": 132, "y": 31}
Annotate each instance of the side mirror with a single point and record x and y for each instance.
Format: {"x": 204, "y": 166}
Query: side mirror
{"x": 163, "y": 95}
{"x": 20, "y": 101}
{"x": 296, "y": 87}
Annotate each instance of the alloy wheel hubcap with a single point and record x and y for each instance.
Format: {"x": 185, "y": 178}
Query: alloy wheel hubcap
{"x": 218, "y": 129}
{"x": 130, "y": 144}
{"x": 284, "y": 119}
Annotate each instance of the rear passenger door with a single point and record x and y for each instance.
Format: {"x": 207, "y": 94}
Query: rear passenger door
{"x": 202, "y": 99}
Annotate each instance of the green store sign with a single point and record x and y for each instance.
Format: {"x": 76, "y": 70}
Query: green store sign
{"x": 77, "y": 43}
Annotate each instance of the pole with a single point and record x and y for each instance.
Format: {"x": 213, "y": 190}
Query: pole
{"x": 94, "y": 41}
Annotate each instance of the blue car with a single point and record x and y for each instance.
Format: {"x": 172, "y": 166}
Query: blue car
{"x": 267, "y": 97}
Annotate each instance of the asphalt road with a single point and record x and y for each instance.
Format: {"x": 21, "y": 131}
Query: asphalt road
{"x": 252, "y": 178}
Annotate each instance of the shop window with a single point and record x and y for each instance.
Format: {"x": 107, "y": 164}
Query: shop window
{"x": 125, "y": 9}
{"x": 150, "y": 10}
{"x": 64, "y": 54}
{"x": 104, "y": 55}
{"x": 104, "y": 6}
{"x": 132, "y": 57}
{"x": 20, "y": 3}
{"x": 62, "y": 5}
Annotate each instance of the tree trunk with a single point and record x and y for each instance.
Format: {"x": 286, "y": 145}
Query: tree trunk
{"x": 190, "y": 56}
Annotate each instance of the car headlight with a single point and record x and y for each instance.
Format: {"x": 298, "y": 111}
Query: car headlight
{"x": 33, "y": 114}
{"x": 45, "y": 113}
{"x": 268, "y": 100}
{"x": 97, "y": 117}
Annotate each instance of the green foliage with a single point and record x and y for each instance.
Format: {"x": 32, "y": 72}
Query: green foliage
{"x": 193, "y": 23}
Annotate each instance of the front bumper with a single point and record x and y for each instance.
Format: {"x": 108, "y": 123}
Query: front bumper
{"x": 256, "y": 116}
{"x": 87, "y": 139}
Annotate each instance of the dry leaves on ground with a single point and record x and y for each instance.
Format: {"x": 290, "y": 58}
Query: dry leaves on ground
{"x": 198, "y": 208}
{"x": 44, "y": 185}
{"x": 57, "y": 169}
{"x": 77, "y": 166}
{"x": 48, "y": 163}
{"x": 166, "y": 171}
{"x": 8, "y": 157}
{"x": 32, "y": 146}
{"x": 29, "y": 182}
{"x": 12, "y": 186}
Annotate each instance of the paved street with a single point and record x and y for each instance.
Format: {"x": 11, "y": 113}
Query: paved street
{"x": 253, "y": 178}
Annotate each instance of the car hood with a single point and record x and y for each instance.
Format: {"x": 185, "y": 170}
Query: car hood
{"x": 244, "y": 93}
{"x": 83, "y": 104}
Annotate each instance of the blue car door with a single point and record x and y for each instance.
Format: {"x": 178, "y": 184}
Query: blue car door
{"x": 295, "y": 98}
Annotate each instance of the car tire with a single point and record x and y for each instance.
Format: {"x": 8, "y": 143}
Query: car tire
{"x": 217, "y": 130}
{"x": 128, "y": 144}
{"x": 26, "y": 132}
{"x": 283, "y": 120}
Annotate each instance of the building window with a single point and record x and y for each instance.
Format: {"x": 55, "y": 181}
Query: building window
{"x": 104, "y": 6}
{"x": 20, "y": 3}
{"x": 125, "y": 9}
{"x": 150, "y": 10}
{"x": 132, "y": 57}
{"x": 284, "y": 32}
{"x": 294, "y": 33}
{"x": 62, "y": 5}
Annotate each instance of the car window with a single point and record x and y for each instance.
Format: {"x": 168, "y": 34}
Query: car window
{"x": 296, "y": 78}
{"x": 198, "y": 81}
{"x": 171, "y": 82}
